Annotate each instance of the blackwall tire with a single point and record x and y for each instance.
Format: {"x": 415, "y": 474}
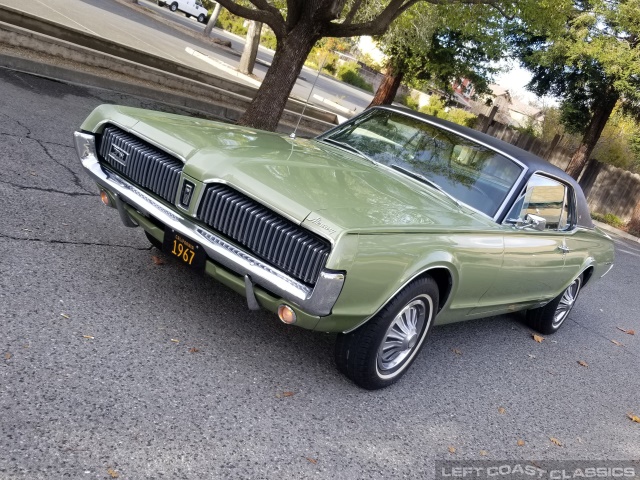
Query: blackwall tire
{"x": 378, "y": 353}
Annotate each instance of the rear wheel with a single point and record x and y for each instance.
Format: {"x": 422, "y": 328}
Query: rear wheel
{"x": 173, "y": 7}
{"x": 378, "y": 353}
{"x": 201, "y": 18}
{"x": 549, "y": 319}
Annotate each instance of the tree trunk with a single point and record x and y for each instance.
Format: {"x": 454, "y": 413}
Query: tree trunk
{"x": 601, "y": 113}
{"x": 250, "y": 51}
{"x": 265, "y": 110}
{"x": 388, "y": 89}
{"x": 212, "y": 20}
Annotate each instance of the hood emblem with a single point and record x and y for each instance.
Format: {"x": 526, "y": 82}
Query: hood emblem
{"x": 318, "y": 221}
{"x": 118, "y": 155}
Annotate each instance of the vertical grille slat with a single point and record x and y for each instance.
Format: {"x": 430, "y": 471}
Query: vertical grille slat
{"x": 146, "y": 165}
{"x": 288, "y": 246}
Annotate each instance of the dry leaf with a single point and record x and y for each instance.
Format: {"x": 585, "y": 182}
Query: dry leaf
{"x": 501, "y": 410}
{"x": 617, "y": 344}
{"x": 175, "y": 340}
{"x": 113, "y": 473}
{"x": 537, "y": 338}
{"x": 88, "y": 336}
{"x": 634, "y": 418}
{"x": 483, "y": 453}
{"x": 531, "y": 356}
{"x": 520, "y": 442}
{"x": 312, "y": 460}
{"x": 555, "y": 441}
{"x": 628, "y": 332}
{"x": 456, "y": 351}
{"x": 7, "y": 356}
{"x": 194, "y": 350}
{"x": 288, "y": 394}
{"x": 157, "y": 260}
{"x": 583, "y": 363}
{"x": 64, "y": 315}
{"x": 452, "y": 449}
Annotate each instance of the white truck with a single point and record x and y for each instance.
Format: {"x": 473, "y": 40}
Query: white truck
{"x": 191, "y": 8}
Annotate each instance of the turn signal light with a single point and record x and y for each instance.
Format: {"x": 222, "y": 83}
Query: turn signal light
{"x": 286, "y": 314}
{"x": 104, "y": 196}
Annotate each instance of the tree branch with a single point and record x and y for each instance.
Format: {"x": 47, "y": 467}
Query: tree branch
{"x": 352, "y": 13}
{"x": 269, "y": 15}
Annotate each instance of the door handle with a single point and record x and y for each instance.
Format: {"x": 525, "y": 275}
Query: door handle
{"x": 563, "y": 248}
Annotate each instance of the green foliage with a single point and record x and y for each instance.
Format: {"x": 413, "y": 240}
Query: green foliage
{"x": 325, "y": 51}
{"x": 348, "y": 72}
{"x": 609, "y": 219}
{"x": 408, "y": 101}
{"x": 437, "y": 108}
{"x": 619, "y": 144}
{"x": 231, "y": 23}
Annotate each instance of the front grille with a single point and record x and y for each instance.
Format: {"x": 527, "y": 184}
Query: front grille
{"x": 273, "y": 238}
{"x": 144, "y": 164}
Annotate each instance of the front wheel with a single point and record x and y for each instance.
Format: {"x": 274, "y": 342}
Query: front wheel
{"x": 201, "y": 18}
{"x": 378, "y": 353}
{"x": 173, "y": 7}
{"x": 549, "y": 319}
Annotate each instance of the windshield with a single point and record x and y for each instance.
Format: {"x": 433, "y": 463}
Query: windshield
{"x": 467, "y": 171}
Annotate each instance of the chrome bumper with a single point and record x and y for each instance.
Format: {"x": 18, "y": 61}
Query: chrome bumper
{"x": 317, "y": 301}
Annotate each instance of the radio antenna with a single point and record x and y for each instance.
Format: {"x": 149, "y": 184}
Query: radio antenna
{"x": 293, "y": 134}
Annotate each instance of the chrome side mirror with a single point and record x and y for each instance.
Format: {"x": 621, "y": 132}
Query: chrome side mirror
{"x": 530, "y": 221}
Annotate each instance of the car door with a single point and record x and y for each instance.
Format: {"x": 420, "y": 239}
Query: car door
{"x": 535, "y": 248}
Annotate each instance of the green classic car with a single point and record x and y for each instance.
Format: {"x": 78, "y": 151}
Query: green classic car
{"x": 378, "y": 229}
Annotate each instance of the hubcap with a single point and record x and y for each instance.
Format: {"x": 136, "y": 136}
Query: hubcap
{"x": 403, "y": 335}
{"x": 566, "y": 303}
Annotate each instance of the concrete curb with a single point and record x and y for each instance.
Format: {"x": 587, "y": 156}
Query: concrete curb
{"x": 615, "y": 231}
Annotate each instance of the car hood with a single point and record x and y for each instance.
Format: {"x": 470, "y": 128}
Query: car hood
{"x": 328, "y": 189}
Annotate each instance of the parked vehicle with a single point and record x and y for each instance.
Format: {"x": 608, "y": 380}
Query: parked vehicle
{"x": 378, "y": 229}
{"x": 191, "y": 8}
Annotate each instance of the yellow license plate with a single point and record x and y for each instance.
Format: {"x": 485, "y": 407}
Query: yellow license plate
{"x": 184, "y": 249}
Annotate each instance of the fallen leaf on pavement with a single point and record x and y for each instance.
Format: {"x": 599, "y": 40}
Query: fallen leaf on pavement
{"x": 537, "y": 338}
{"x": 634, "y": 418}
{"x": 520, "y": 442}
{"x": 456, "y": 351}
{"x": 531, "y": 356}
{"x": 312, "y": 460}
{"x": 452, "y": 449}
{"x": 88, "y": 336}
{"x": 113, "y": 473}
{"x": 616, "y": 343}
{"x": 157, "y": 260}
{"x": 483, "y": 453}
{"x": 64, "y": 315}
{"x": 501, "y": 410}
{"x": 583, "y": 363}
{"x": 555, "y": 441}
{"x": 288, "y": 394}
{"x": 175, "y": 340}
{"x": 628, "y": 332}
{"x": 194, "y": 350}
{"x": 7, "y": 356}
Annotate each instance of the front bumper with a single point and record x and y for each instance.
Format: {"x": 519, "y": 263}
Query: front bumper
{"x": 317, "y": 301}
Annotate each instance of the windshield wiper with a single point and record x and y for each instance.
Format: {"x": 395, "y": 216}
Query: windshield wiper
{"x": 426, "y": 180}
{"x": 351, "y": 148}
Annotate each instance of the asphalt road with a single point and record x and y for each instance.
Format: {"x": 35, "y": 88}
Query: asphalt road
{"x": 122, "y": 24}
{"x": 98, "y": 367}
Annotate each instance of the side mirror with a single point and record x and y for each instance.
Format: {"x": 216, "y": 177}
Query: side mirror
{"x": 532, "y": 222}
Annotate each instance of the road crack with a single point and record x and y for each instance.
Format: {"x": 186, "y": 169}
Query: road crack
{"x": 69, "y": 242}
{"x": 49, "y": 190}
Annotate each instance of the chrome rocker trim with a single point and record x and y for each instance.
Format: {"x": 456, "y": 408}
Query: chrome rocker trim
{"x": 316, "y": 301}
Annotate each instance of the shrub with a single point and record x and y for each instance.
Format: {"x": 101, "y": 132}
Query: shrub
{"x": 609, "y": 219}
{"x": 348, "y": 73}
{"x": 408, "y": 101}
{"x": 231, "y": 23}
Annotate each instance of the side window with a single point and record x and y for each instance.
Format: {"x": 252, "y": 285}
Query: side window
{"x": 546, "y": 198}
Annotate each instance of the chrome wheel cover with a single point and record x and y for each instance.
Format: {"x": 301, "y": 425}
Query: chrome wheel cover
{"x": 566, "y": 303}
{"x": 404, "y": 336}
